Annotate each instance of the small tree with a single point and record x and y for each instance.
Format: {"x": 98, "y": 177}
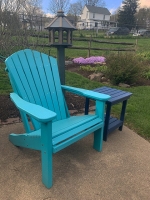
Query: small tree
{"x": 54, "y": 5}
{"x": 126, "y": 15}
{"x": 143, "y": 18}
{"x": 75, "y": 10}
{"x": 94, "y": 2}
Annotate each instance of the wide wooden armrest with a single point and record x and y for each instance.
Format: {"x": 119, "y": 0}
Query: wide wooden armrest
{"x": 87, "y": 93}
{"x": 38, "y": 112}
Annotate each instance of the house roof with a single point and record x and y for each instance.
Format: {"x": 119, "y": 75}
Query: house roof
{"x": 99, "y": 10}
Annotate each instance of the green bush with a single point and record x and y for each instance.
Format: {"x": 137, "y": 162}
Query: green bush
{"x": 94, "y": 68}
{"x": 144, "y": 55}
{"x": 123, "y": 68}
{"x": 147, "y": 75}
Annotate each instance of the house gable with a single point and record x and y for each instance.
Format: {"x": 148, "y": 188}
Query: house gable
{"x": 93, "y": 16}
{"x": 98, "y": 10}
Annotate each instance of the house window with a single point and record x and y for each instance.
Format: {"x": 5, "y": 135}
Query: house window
{"x": 96, "y": 24}
{"x": 83, "y": 24}
{"x": 93, "y": 15}
{"x": 87, "y": 24}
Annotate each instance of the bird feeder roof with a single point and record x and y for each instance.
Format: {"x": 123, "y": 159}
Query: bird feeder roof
{"x": 60, "y": 21}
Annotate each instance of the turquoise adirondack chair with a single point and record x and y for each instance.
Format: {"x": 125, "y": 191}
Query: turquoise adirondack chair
{"x": 39, "y": 97}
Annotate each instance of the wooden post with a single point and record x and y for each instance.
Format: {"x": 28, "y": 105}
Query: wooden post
{"x": 89, "y": 50}
{"x": 136, "y": 43}
{"x": 61, "y": 63}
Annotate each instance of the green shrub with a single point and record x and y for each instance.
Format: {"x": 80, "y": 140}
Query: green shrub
{"x": 123, "y": 68}
{"x": 147, "y": 75}
{"x": 144, "y": 55}
{"x": 81, "y": 35}
{"x": 96, "y": 68}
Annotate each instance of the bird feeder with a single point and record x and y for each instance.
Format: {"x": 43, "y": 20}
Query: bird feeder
{"x": 60, "y": 36}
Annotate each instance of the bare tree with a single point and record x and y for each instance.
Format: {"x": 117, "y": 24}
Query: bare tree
{"x": 16, "y": 6}
{"x": 10, "y": 5}
{"x": 10, "y": 10}
{"x": 143, "y": 18}
{"x": 94, "y": 2}
{"x": 8, "y": 14}
{"x": 75, "y": 10}
{"x": 31, "y": 7}
{"x": 56, "y": 5}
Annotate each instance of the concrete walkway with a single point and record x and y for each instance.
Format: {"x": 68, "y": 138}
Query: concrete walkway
{"x": 120, "y": 172}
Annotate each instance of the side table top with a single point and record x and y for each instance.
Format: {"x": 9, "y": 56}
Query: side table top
{"x": 116, "y": 95}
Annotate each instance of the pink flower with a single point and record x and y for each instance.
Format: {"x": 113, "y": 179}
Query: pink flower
{"x": 90, "y": 60}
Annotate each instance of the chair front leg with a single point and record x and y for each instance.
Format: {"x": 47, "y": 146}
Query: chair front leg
{"x": 98, "y": 135}
{"x": 46, "y": 154}
{"x": 98, "y": 139}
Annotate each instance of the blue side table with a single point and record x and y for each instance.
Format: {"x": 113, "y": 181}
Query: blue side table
{"x": 117, "y": 96}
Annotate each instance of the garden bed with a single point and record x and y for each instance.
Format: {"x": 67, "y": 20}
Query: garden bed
{"x": 74, "y": 102}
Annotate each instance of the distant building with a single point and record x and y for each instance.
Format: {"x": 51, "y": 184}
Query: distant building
{"x": 93, "y": 17}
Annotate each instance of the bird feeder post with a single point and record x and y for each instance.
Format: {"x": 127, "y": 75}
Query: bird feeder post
{"x": 60, "y": 36}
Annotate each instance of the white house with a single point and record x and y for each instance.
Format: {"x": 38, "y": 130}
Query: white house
{"x": 94, "y": 17}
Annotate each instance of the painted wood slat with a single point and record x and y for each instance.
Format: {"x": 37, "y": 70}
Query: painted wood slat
{"x": 15, "y": 78}
{"x": 75, "y": 130}
{"x": 23, "y": 115}
{"x": 31, "y": 82}
{"x": 35, "y": 75}
{"x": 115, "y": 94}
{"x": 67, "y": 124}
{"x": 59, "y": 93}
{"x": 20, "y": 78}
{"x": 117, "y": 123}
{"x": 70, "y": 141}
{"x": 44, "y": 82}
{"x": 51, "y": 85}
{"x": 27, "y": 82}
{"x": 111, "y": 91}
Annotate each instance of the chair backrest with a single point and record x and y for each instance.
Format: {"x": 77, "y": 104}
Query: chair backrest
{"x": 34, "y": 77}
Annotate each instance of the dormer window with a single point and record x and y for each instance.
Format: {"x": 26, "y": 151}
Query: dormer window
{"x": 93, "y": 15}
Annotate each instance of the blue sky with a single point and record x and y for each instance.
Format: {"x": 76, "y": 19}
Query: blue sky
{"x": 113, "y": 4}
{"x": 110, "y": 4}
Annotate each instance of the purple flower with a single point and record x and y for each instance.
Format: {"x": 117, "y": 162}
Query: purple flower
{"x": 90, "y": 60}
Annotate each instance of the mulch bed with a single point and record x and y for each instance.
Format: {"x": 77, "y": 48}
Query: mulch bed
{"x": 9, "y": 113}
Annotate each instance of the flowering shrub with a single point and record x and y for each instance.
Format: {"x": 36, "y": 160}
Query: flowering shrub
{"x": 89, "y": 60}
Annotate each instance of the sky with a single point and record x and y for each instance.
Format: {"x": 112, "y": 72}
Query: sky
{"x": 112, "y": 5}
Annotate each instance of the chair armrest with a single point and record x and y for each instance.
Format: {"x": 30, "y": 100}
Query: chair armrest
{"x": 38, "y": 112}
{"x": 87, "y": 93}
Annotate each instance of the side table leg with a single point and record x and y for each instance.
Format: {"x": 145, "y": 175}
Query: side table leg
{"x": 108, "y": 110}
{"x": 122, "y": 115}
{"x": 87, "y": 106}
